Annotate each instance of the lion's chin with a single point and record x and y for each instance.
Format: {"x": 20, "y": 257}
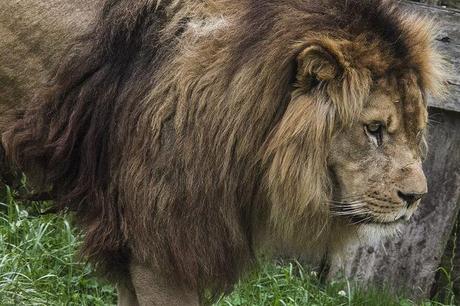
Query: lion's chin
{"x": 374, "y": 232}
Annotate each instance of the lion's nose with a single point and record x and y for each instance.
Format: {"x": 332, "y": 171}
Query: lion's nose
{"x": 410, "y": 198}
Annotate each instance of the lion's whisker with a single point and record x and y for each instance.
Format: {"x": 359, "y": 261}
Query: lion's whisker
{"x": 361, "y": 221}
{"x": 347, "y": 206}
{"x": 343, "y": 202}
{"x": 350, "y": 212}
{"x": 346, "y": 203}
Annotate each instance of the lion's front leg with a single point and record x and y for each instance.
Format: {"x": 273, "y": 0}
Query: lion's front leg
{"x": 126, "y": 296}
{"x": 152, "y": 289}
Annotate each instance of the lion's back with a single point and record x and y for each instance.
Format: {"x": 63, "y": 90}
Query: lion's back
{"x": 33, "y": 36}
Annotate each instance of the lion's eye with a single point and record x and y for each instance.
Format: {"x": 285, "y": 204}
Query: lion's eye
{"x": 375, "y": 131}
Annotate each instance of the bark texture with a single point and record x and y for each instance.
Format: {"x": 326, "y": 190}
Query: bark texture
{"x": 447, "y": 3}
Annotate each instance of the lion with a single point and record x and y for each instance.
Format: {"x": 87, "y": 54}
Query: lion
{"x": 188, "y": 137}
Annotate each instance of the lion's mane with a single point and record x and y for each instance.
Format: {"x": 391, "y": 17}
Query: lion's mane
{"x": 167, "y": 135}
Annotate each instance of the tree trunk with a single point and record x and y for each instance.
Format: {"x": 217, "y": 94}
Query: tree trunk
{"x": 447, "y": 3}
{"x": 431, "y": 2}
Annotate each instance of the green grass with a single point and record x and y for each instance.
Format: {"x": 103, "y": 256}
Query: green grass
{"x": 289, "y": 283}
{"x": 38, "y": 266}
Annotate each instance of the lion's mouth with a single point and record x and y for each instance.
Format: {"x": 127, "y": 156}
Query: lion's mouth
{"x": 370, "y": 220}
{"x": 394, "y": 223}
{"x": 360, "y": 215}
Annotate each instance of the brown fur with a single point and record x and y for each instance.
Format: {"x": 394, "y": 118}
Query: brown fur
{"x": 168, "y": 136}
{"x": 33, "y": 37}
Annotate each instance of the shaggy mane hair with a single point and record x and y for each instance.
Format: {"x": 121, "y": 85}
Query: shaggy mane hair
{"x": 169, "y": 126}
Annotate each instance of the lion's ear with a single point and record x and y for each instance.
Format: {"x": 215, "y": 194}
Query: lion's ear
{"x": 316, "y": 64}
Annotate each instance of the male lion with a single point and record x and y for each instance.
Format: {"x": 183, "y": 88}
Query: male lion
{"x": 188, "y": 136}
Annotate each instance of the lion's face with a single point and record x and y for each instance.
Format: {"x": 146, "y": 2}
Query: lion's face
{"x": 376, "y": 164}
{"x": 349, "y": 145}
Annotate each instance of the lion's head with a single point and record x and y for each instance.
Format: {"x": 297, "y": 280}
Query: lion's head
{"x": 376, "y": 164}
{"x": 181, "y": 132}
{"x": 347, "y": 153}
{"x": 371, "y": 166}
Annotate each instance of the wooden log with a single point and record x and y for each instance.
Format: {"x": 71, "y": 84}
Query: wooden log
{"x": 409, "y": 263}
{"x": 448, "y": 42}
{"x": 445, "y": 3}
